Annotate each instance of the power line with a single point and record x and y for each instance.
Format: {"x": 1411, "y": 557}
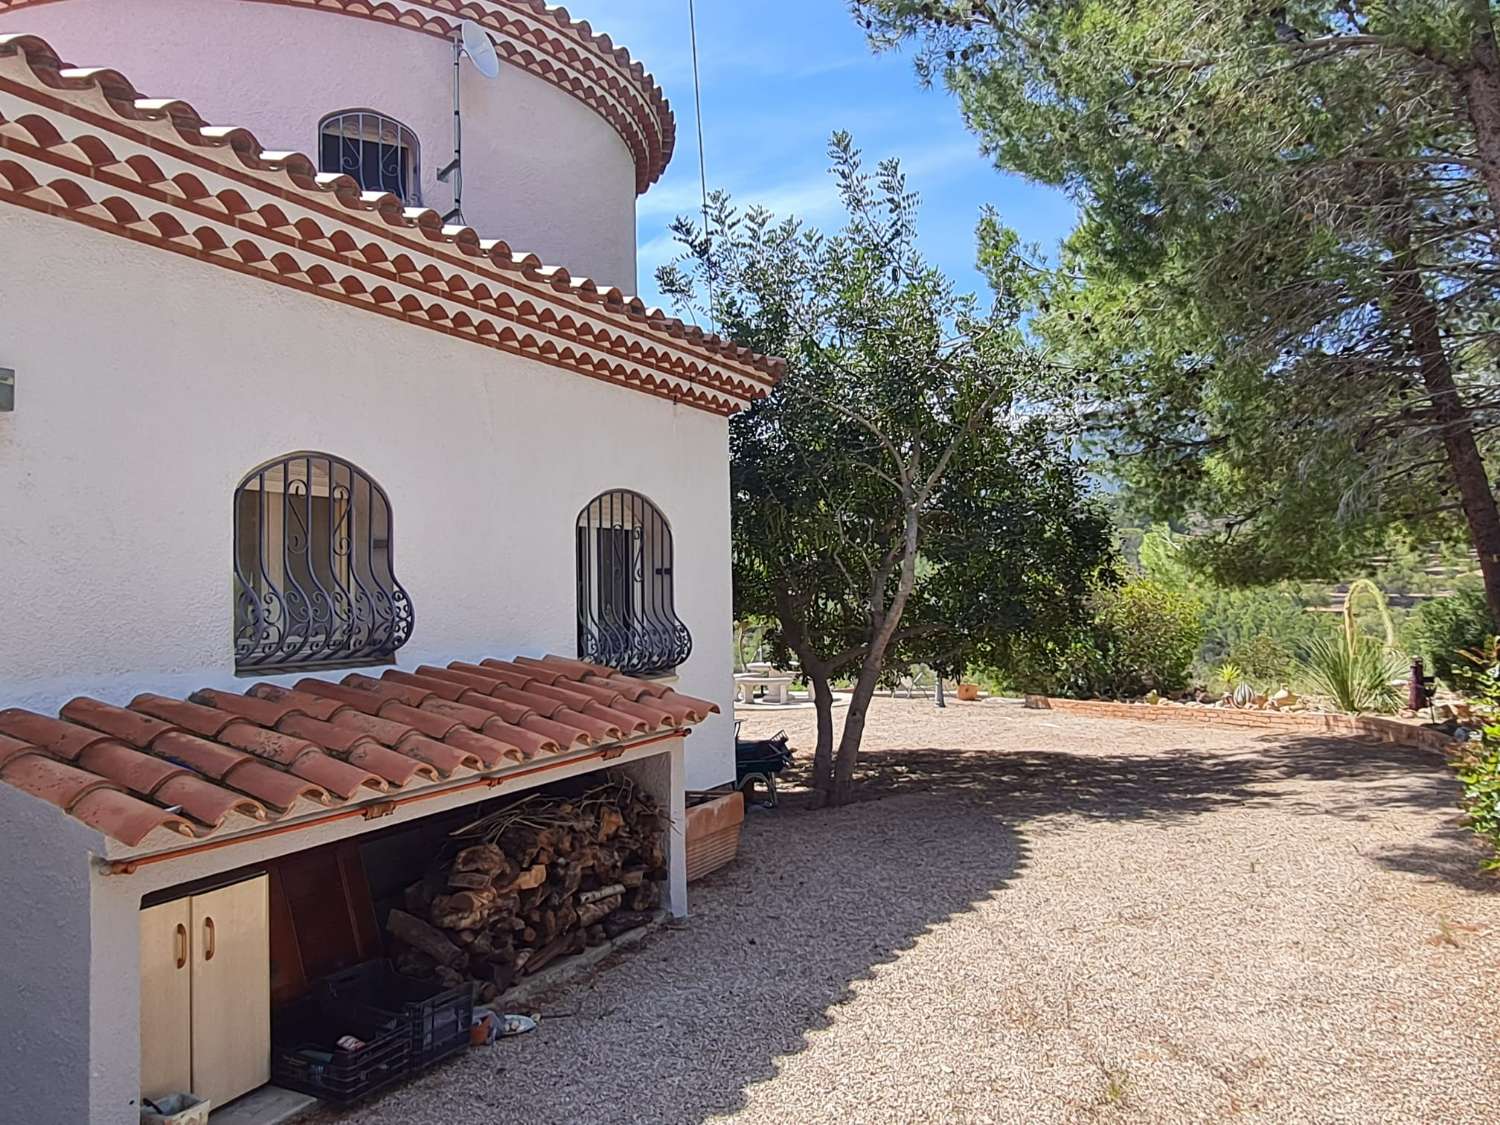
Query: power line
{"x": 702, "y": 160}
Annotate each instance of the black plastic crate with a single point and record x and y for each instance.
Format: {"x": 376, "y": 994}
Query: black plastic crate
{"x": 305, "y": 1055}
{"x": 437, "y": 1018}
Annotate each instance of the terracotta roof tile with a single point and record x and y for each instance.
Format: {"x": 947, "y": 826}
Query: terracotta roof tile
{"x": 473, "y": 288}
{"x": 128, "y": 726}
{"x": 123, "y": 817}
{"x": 444, "y": 689}
{"x": 205, "y": 721}
{"x": 222, "y": 761}
{"x": 314, "y": 705}
{"x": 59, "y": 738}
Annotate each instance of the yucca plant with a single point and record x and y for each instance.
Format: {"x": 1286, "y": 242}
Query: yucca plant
{"x": 1356, "y": 671}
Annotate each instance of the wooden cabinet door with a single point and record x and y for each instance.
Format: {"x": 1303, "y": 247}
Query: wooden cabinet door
{"x": 166, "y": 999}
{"x": 231, "y": 990}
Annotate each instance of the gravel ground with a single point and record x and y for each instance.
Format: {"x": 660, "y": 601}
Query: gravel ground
{"x": 1046, "y": 918}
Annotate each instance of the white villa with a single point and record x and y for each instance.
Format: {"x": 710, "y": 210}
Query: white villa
{"x": 325, "y": 511}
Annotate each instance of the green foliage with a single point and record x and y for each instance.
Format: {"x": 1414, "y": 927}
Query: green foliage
{"x": 894, "y": 501}
{"x": 1478, "y": 762}
{"x": 1143, "y": 637}
{"x": 1440, "y": 629}
{"x": 1278, "y": 305}
{"x": 1355, "y": 672}
{"x": 1478, "y": 768}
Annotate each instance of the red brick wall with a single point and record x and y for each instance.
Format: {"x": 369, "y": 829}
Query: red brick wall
{"x": 1357, "y": 726}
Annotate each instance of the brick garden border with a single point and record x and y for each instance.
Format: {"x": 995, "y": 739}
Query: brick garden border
{"x": 1394, "y": 731}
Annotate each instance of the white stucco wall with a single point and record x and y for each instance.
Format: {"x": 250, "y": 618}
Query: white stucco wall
{"x": 149, "y": 384}
{"x": 542, "y": 169}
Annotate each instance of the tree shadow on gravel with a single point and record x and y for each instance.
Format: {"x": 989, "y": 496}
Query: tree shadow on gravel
{"x": 1182, "y": 781}
{"x": 696, "y": 1016}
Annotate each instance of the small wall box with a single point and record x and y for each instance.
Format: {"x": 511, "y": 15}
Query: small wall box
{"x": 7, "y": 390}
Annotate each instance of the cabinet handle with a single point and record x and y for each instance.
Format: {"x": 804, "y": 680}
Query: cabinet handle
{"x": 208, "y": 939}
{"x": 180, "y": 945}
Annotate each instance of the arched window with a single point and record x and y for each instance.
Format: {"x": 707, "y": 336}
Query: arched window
{"x": 626, "y": 617}
{"x": 378, "y": 151}
{"x": 314, "y": 583}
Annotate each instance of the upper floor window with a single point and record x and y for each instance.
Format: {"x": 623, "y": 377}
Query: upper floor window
{"x": 626, "y": 617}
{"x": 378, "y": 151}
{"x": 314, "y": 584}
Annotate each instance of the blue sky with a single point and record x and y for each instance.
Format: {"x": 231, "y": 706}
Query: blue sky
{"x": 778, "y": 77}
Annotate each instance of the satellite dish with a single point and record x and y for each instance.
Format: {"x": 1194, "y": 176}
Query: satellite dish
{"x": 479, "y": 48}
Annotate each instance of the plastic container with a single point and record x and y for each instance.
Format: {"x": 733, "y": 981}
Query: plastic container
{"x": 306, "y": 1056}
{"x": 177, "y": 1109}
{"x": 438, "y": 1019}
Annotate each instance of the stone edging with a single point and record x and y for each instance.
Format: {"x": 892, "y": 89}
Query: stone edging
{"x": 1353, "y": 726}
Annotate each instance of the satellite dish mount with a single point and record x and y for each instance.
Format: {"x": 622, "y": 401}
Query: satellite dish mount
{"x": 472, "y": 40}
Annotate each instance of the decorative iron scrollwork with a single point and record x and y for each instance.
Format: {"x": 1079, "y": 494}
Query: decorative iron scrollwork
{"x": 378, "y": 151}
{"x": 314, "y": 580}
{"x": 626, "y": 617}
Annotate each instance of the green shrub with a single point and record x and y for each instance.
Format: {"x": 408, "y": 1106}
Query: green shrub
{"x": 1143, "y": 637}
{"x": 1438, "y": 630}
{"x": 1265, "y": 630}
{"x": 1478, "y": 768}
{"x": 1147, "y": 637}
{"x": 1477, "y": 763}
{"x": 1356, "y": 671}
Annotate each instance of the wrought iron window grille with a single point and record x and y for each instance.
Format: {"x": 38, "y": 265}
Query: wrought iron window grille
{"x": 626, "y": 616}
{"x": 378, "y": 151}
{"x": 315, "y": 584}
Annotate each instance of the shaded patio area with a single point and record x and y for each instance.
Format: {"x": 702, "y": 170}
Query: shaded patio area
{"x": 1038, "y": 917}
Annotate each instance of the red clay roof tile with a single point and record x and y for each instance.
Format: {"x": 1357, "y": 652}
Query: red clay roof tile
{"x": 124, "y": 818}
{"x": 10, "y": 747}
{"x": 493, "y": 752}
{"x": 128, "y": 767}
{"x": 59, "y": 738}
{"x": 222, "y": 760}
{"x": 265, "y": 712}
{"x": 206, "y": 721}
{"x": 389, "y": 690}
{"x": 443, "y": 689}
{"x": 128, "y": 726}
{"x": 314, "y": 705}
{"x": 55, "y": 782}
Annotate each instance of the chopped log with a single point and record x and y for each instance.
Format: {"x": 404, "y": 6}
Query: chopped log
{"x": 594, "y": 911}
{"x": 547, "y": 953}
{"x": 603, "y": 892}
{"x": 485, "y": 859}
{"x": 532, "y": 877}
{"x": 428, "y": 939}
{"x": 469, "y": 881}
{"x": 543, "y": 877}
{"x": 610, "y": 822}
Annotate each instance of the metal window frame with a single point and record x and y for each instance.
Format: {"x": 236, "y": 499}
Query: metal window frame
{"x": 627, "y": 617}
{"x": 331, "y": 606}
{"x": 405, "y": 140}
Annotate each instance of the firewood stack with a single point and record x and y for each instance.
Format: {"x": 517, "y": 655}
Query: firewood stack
{"x": 538, "y": 880}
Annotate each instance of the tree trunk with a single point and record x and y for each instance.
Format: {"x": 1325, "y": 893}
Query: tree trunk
{"x": 854, "y": 728}
{"x": 1481, "y": 91}
{"x": 822, "y": 693}
{"x": 1456, "y": 428}
{"x": 884, "y": 621}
